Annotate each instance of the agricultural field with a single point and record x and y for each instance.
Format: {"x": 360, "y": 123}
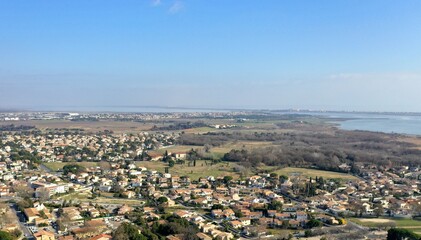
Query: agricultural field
{"x": 203, "y": 169}
{"x": 291, "y": 171}
{"x": 200, "y": 130}
{"x": 131, "y": 202}
{"x": 89, "y": 126}
{"x": 216, "y": 152}
{"x": 241, "y": 145}
{"x": 77, "y": 195}
{"x": 55, "y": 166}
{"x": 410, "y": 224}
{"x": 175, "y": 148}
{"x": 152, "y": 165}
{"x": 413, "y": 140}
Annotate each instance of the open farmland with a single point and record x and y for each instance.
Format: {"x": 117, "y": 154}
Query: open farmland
{"x": 291, "y": 171}
{"x": 410, "y": 224}
{"x": 152, "y": 165}
{"x": 241, "y": 145}
{"x": 202, "y": 169}
{"x": 89, "y": 126}
{"x": 55, "y": 166}
{"x": 175, "y": 148}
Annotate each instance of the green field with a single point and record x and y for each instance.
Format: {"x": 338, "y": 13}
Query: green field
{"x": 291, "y": 171}
{"x": 217, "y": 150}
{"x": 411, "y": 224}
{"x": 200, "y": 130}
{"x": 117, "y": 127}
{"x": 76, "y": 195}
{"x": 55, "y": 166}
{"x": 132, "y": 202}
{"x": 240, "y": 145}
{"x": 203, "y": 169}
{"x": 176, "y": 148}
{"x": 152, "y": 165}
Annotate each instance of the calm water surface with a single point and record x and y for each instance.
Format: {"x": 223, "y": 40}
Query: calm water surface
{"x": 378, "y": 122}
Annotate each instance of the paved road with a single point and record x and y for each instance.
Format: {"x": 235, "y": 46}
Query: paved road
{"x": 26, "y": 232}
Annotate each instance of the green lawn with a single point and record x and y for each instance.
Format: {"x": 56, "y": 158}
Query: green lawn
{"x": 200, "y": 130}
{"x": 407, "y": 222}
{"x": 413, "y": 225}
{"x": 291, "y": 171}
{"x": 75, "y": 196}
{"x": 240, "y": 145}
{"x": 176, "y": 148}
{"x": 132, "y": 202}
{"x": 152, "y": 165}
{"x": 55, "y": 166}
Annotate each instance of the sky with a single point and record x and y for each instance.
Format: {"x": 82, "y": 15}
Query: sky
{"x": 355, "y": 55}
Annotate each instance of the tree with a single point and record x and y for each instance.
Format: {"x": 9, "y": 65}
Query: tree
{"x": 5, "y": 236}
{"x": 73, "y": 168}
{"x": 417, "y": 209}
{"x": 128, "y": 231}
{"x": 190, "y": 234}
{"x": 238, "y": 214}
{"x": 342, "y": 221}
{"x": 104, "y": 166}
{"x": 192, "y": 155}
{"x": 275, "y": 205}
{"x": 166, "y": 157}
{"x": 23, "y": 191}
{"x": 171, "y": 163}
{"x": 60, "y": 225}
{"x": 207, "y": 147}
{"x": 378, "y": 209}
{"x": 401, "y": 234}
{"x": 162, "y": 200}
{"x": 217, "y": 206}
{"x": 4, "y": 219}
{"x": 25, "y": 203}
{"x": 314, "y": 223}
{"x": 43, "y": 194}
{"x": 227, "y": 179}
{"x": 283, "y": 178}
{"x": 42, "y": 214}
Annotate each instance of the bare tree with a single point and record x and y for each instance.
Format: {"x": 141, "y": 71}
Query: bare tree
{"x": 105, "y": 166}
{"x": 43, "y": 194}
{"x": 23, "y": 191}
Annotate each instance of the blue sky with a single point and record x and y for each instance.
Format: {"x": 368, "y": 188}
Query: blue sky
{"x": 341, "y": 55}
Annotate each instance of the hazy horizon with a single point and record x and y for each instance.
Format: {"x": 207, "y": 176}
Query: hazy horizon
{"x": 319, "y": 55}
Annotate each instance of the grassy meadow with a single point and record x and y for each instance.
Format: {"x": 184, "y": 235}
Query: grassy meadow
{"x": 410, "y": 224}
{"x": 306, "y": 172}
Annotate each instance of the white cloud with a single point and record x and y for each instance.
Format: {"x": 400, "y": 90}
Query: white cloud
{"x": 176, "y": 7}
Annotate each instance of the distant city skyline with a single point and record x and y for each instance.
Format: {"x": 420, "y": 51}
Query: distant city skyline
{"x": 321, "y": 55}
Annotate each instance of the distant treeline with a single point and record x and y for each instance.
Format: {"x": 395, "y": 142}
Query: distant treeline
{"x": 308, "y": 148}
{"x": 13, "y": 127}
{"x": 180, "y": 126}
{"x": 85, "y": 119}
